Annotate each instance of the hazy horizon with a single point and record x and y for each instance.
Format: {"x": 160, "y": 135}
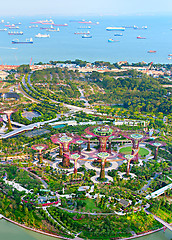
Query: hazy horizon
{"x": 79, "y": 8}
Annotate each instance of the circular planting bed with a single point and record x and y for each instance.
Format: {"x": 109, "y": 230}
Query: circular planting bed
{"x": 102, "y": 179}
{"x": 61, "y": 166}
{"x": 127, "y": 150}
{"x": 98, "y": 164}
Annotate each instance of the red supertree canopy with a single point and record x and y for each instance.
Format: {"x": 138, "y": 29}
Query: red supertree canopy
{"x": 65, "y": 138}
{"x": 101, "y": 131}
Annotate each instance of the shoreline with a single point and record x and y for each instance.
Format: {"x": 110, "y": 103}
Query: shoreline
{"x": 33, "y": 229}
{"x": 61, "y": 237}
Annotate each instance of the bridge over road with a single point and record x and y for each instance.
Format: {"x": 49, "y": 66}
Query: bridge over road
{"x": 167, "y": 225}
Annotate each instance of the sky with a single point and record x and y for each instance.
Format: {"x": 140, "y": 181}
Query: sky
{"x": 85, "y": 7}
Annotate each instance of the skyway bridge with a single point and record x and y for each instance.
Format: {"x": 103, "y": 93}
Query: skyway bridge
{"x": 165, "y": 224}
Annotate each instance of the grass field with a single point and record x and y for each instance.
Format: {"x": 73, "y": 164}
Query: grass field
{"x": 90, "y": 206}
{"x": 127, "y": 150}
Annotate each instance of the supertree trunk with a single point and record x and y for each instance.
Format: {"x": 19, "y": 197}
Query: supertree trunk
{"x": 88, "y": 145}
{"x": 102, "y": 171}
{"x": 135, "y": 149}
{"x": 102, "y": 143}
{"x": 60, "y": 150}
{"x": 128, "y": 167}
{"x": 65, "y": 160}
{"x": 40, "y": 158}
{"x": 110, "y": 147}
{"x": 75, "y": 166}
{"x": 79, "y": 149}
{"x": 156, "y": 153}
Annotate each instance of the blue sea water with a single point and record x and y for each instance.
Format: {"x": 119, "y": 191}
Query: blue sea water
{"x": 65, "y": 44}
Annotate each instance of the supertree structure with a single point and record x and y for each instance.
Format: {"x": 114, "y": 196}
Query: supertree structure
{"x": 103, "y": 156}
{"x": 79, "y": 143}
{"x": 8, "y": 114}
{"x": 65, "y": 141}
{"x": 128, "y": 158}
{"x": 75, "y": 157}
{"x": 136, "y": 138}
{"x": 157, "y": 145}
{"x": 102, "y": 133}
{"x": 110, "y": 143}
{"x": 88, "y": 137}
{"x": 40, "y": 148}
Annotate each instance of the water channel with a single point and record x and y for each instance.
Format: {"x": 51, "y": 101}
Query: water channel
{"x": 9, "y": 231}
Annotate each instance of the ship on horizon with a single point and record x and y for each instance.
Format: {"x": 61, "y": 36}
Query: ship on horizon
{"x": 115, "y": 29}
{"x": 39, "y": 35}
{"x": 86, "y": 36}
{"x": 151, "y": 51}
{"x": 139, "y": 37}
{"x": 112, "y": 40}
{"x": 83, "y": 33}
{"x": 15, "y": 33}
{"x": 60, "y": 25}
{"x": 27, "y": 41}
{"x": 118, "y": 34}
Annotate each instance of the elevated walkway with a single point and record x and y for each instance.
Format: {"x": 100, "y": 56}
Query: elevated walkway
{"x": 167, "y": 225}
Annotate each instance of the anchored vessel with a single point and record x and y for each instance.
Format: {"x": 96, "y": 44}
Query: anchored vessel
{"x": 112, "y": 40}
{"x": 86, "y": 36}
{"x": 139, "y": 37}
{"x": 39, "y": 35}
{"x": 115, "y": 29}
{"x": 83, "y": 33}
{"x": 27, "y": 41}
{"x": 15, "y": 33}
{"x": 118, "y": 34}
{"x": 151, "y": 51}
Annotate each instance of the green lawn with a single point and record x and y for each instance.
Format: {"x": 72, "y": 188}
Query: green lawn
{"x": 90, "y": 206}
{"x": 127, "y": 150}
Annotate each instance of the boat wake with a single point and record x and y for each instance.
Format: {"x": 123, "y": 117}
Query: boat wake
{"x": 8, "y": 48}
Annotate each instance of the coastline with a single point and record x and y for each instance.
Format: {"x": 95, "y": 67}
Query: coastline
{"x": 33, "y": 229}
{"x": 61, "y": 237}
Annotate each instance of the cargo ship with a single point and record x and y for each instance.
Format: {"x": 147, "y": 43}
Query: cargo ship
{"x": 14, "y": 27}
{"x": 27, "y": 41}
{"x": 170, "y": 54}
{"x": 139, "y": 37}
{"x": 39, "y": 35}
{"x": 10, "y": 25}
{"x": 118, "y": 34}
{"x": 84, "y": 27}
{"x": 86, "y": 22}
{"x": 115, "y": 29}
{"x": 112, "y": 40}
{"x": 33, "y": 26}
{"x": 15, "y": 33}
{"x": 60, "y": 25}
{"x": 86, "y": 36}
{"x": 53, "y": 30}
{"x": 45, "y": 28}
{"x": 151, "y": 51}
{"x": 83, "y": 33}
{"x": 43, "y": 22}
